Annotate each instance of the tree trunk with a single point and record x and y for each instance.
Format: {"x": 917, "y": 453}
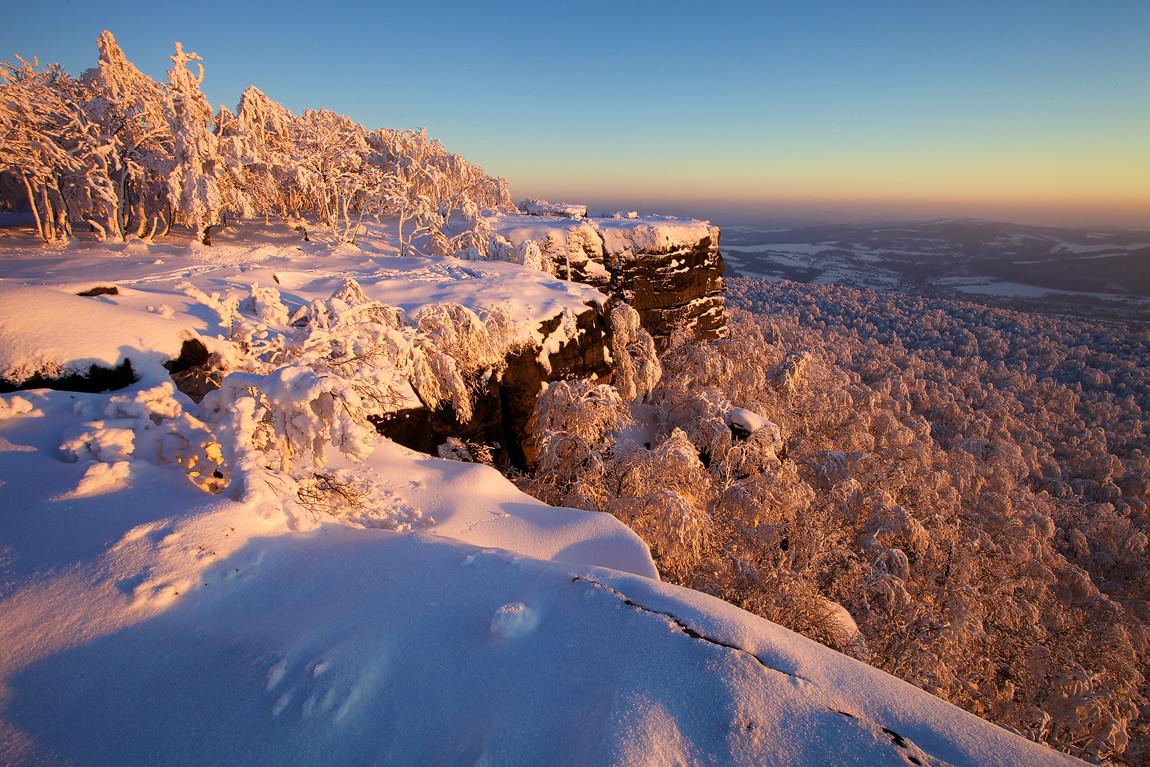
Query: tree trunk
{"x": 142, "y": 218}
{"x": 35, "y": 210}
{"x": 64, "y": 213}
{"x": 49, "y": 215}
{"x": 98, "y": 228}
{"x": 122, "y": 205}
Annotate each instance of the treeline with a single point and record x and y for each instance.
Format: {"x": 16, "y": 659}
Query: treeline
{"x": 970, "y": 487}
{"x": 126, "y": 156}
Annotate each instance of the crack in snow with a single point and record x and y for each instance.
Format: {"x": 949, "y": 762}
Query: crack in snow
{"x": 678, "y": 623}
{"x": 910, "y": 751}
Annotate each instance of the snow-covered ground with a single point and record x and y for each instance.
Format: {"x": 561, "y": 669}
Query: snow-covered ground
{"x": 152, "y": 613}
{"x": 154, "y": 311}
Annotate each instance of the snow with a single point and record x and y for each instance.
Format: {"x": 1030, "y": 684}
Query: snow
{"x": 51, "y": 331}
{"x": 563, "y": 209}
{"x": 1064, "y": 246}
{"x": 789, "y": 248}
{"x": 747, "y": 420}
{"x": 623, "y": 235}
{"x": 993, "y": 287}
{"x": 152, "y": 612}
{"x": 46, "y": 328}
{"x": 210, "y": 629}
{"x": 473, "y": 502}
{"x": 652, "y": 234}
{"x": 519, "y": 228}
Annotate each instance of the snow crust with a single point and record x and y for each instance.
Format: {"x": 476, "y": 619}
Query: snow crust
{"x": 43, "y": 329}
{"x": 652, "y": 234}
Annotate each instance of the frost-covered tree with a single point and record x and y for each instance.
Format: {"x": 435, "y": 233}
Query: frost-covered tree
{"x": 194, "y": 178}
{"x": 130, "y": 157}
{"x": 132, "y": 109}
{"x": 45, "y": 139}
{"x": 261, "y": 145}
{"x": 635, "y": 369}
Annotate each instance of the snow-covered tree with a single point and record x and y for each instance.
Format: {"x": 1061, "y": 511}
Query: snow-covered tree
{"x": 45, "y": 139}
{"x": 194, "y": 178}
{"x": 132, "y": 109}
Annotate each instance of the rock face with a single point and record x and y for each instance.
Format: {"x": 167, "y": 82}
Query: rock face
{"x": 96, "y": 379}
{"x": 669, "y": 269}
{"x": 680, "y": 284}
{"x": 503, "y": 407}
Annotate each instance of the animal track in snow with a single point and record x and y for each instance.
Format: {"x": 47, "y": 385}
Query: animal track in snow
{"x": 326, "y": 686}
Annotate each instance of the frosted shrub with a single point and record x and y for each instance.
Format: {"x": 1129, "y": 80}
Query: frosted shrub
{"x": 663, "y": 495}
{"x": 459, "y": 332}
{"x": 699, "y": 414}
{"x": 264, "y": 304}
{"x": 389, "y": 364}
{"x": 305, "y": 384}
{"x": 456, "y": 449}
{"x": 577, "y": 422}
{"x": 356, "y": 500}
{"x": 636, "y": 369}
{"x": 150, "y": 425}
{"x": 293, "y": 416}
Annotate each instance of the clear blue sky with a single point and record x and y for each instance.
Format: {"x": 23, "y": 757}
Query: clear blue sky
{"x": 1037, "y": 110}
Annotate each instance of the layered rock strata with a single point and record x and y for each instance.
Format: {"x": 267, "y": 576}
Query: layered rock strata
{"x": 670, "y": 270}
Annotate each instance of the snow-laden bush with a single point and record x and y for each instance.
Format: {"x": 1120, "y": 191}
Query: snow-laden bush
{"x": 355, "y": 499}
{"x": 663, "y": 494}
{"x": 576, "y": 423}
{"x": 293, "y": 416}
{"x": 635, "y": 369}
{"x": 150, "y": 425}
{"x": 478, "y": 344}
{"x": 388, "y": 363}
{"x": 302, "y": 385}
{"x": 456, "y": 449}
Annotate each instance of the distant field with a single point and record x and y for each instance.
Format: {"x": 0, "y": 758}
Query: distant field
{"x": 1098, "y": 273}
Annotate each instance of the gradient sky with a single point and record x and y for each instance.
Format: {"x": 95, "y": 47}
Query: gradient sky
{"x": 1033, "y": 111}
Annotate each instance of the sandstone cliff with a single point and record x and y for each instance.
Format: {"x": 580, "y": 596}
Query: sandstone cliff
{"x": 669, "y": 269}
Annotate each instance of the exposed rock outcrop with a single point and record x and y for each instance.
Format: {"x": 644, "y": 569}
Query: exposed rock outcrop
{"x": 670, "y": 270}
{"x": 673, "y": 284}
{"x": 96, "y": 378}
{"x": 503, "y": 405}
